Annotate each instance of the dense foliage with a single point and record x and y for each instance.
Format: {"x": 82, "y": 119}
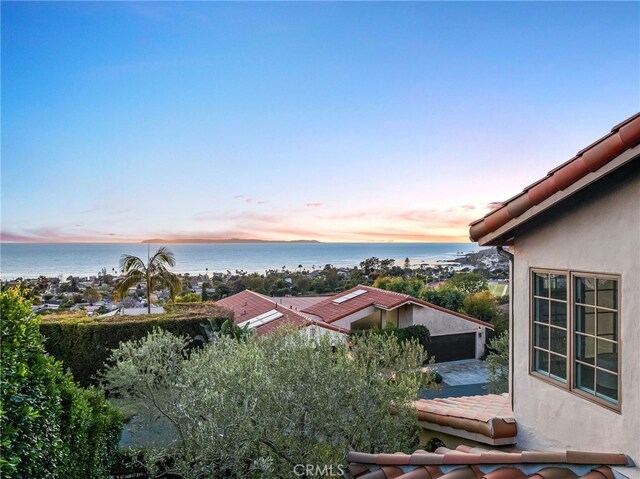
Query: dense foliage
{"x": 498, "y": 364}
{"x": 50, "y": 427}
{"x": 84, "y": 344}
{"x": 256, "y": 407}
{"x": 417, "y": 332}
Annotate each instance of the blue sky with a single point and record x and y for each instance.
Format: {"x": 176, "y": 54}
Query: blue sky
{"x": 331, "y": 121}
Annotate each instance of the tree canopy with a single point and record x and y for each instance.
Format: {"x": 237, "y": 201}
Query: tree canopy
{"x": 258, "y": 406}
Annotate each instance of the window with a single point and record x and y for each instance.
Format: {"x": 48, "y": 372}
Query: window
{"x": 596, "y": 336}
{"x": 574, "y": 332}
{"x": 550, "y": 325}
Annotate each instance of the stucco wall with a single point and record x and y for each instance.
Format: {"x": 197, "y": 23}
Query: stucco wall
{"x": 372, "y": 313}
{"x": 440, "y": 323}
{"x": 596, "y": 231}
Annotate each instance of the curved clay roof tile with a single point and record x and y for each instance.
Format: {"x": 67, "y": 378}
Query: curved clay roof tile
{"x": 623, "y": 136}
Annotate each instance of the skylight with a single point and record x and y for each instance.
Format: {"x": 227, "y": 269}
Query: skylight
{"x": 347, "y": 297}
{"x": 260, "y": 320}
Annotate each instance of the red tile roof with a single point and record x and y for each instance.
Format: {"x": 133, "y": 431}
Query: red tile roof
{"x": 476, "y": 463}
{"x": 247, "y": 305}
{"x": 489, "y": 415}
{"x": 623, "y": 136}
{"x": 330, "y": 312}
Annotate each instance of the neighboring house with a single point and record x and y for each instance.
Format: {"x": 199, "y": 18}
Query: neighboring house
{"x": 574, "y": 245}
{"x": 264, "y": 315}
{"x": 453, "y": 335}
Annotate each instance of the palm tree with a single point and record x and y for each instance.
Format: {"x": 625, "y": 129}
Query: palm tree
{"x": 154, "y": 273}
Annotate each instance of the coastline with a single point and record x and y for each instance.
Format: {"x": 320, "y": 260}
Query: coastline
{"x": 28, "y": 261}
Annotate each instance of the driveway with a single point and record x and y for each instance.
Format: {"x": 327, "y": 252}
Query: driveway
{"x": 459, "y": 378}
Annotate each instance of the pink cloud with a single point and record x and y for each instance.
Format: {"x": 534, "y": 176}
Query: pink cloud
{"x": 313, "y": 205}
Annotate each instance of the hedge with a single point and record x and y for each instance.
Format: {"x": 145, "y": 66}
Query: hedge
{"x": 84, "y": 344}
{"x": 49, "y": 426}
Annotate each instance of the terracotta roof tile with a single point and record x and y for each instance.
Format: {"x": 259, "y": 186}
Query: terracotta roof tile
{"x": 329, "y": 311}
{"x": 624, "y": 136}
{"x": 247, "y": 305}
{"x": 462, "y": 463}
{"x": 489, "y": 414}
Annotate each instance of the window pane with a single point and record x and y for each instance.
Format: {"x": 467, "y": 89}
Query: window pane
{"x": 541, "y": 284}
{"x": 607, "y": 355}
{"x": 541, "y": 310}
{"x": 607, "y": 325}
{"x": 585, "y": 378}
{"x": 585, "y": 290}
{"x": 585, "y": 348}
{"x": 607, "y": 385}
{"x": 541, "y": 361}
{"x": 558, "y": 314}
{"x": 586, "y": 320}
{"x": 608, "y": 293}
{"x": 558, "y": 283}
{"x": 558, "y": 340}
{"x": 558, "y": 367}
{"x": 541, "y": 336}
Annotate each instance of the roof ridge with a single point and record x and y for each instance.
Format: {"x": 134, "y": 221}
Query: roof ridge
{"x": 261, "y": 296}
{"x": 404, "y": 295}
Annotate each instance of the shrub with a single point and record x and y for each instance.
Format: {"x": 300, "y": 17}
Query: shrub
{"x": 416, "y": 332}
{"x": 498, "y": 364}
{"x": 258, "y": 407}
{"x": 50, "y": 427}
{"x": 84, "y": 344}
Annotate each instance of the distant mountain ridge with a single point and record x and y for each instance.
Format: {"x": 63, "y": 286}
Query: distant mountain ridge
{"x": 227, "y": 240}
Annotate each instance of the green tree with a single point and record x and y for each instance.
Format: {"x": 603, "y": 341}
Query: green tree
{"x": 91, "y": 295}
{"x": 468, "y": 283}
{"x": 498, "y": 364}
{"x": 449, "y": 298}
{"x": 483, "y": 306}
{"x": 411, "y": 286}
{"x": 264, "y": 404}
{"x": 154, "y": 274}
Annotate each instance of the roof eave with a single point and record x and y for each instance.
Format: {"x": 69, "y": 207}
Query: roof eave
{"x": 503, "y": 236}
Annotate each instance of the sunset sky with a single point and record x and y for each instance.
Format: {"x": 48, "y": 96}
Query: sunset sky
{"x": 328, "y": 121}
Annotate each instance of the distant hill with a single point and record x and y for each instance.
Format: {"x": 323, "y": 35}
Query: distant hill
{"x": 228, "y": 240}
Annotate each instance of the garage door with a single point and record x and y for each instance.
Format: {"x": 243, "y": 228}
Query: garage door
{"x": 452, "y": 347}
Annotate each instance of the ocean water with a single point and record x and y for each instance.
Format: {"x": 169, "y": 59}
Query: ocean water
{"x": 87, "y": 259}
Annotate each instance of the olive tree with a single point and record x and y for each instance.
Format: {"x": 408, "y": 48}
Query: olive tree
{"x": 259, "y": 406}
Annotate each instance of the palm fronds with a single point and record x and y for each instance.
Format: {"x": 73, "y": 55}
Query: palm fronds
{"x": 154, "y": 274}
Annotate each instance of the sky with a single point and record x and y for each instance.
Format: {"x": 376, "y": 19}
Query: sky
{"x": 349, "y": 122}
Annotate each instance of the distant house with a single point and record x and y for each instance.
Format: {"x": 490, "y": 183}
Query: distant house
{"x": 574, "y": 241}
{"x": 454, "y": 335}
{"x": 263, "y": 315}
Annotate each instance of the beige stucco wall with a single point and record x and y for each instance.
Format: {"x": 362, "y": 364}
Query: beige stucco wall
{"x": 440, "y": 323}
{"x": 372, "y": 315}
{"x": 598, "y": 232}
